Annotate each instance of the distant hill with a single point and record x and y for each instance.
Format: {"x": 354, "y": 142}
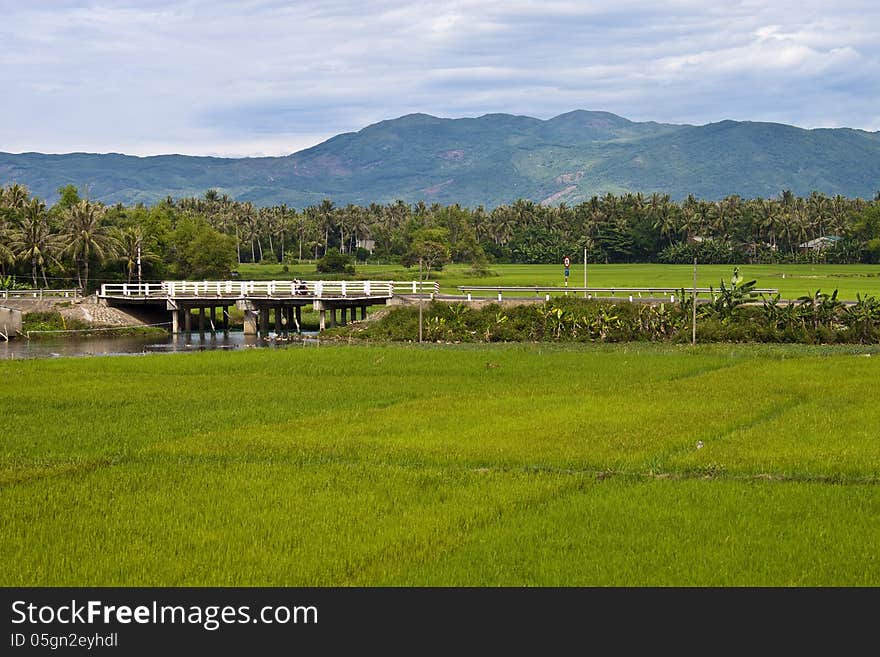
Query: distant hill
{"x": 489, "y": 160}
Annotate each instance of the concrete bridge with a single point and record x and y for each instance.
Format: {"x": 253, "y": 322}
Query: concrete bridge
{"x": 264, "y": 302}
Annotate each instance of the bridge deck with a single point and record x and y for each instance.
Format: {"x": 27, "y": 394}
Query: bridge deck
{"x": 235, "y": 290}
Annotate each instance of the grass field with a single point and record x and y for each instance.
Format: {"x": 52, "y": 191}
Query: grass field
{"x": 792, "y": 281}
{"x": 407, "y": 466}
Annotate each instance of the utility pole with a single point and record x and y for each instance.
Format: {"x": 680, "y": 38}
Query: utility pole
{"x": 139, "y": 263}
{"x": 694, "y": 309}
{"x": 420, "y": 299}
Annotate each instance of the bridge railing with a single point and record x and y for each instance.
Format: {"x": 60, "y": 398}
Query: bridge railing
{"x": 415, "y": 287}
{"x": 133, "y": 290}
{"x": 243, "y": 289}
{"x": 41, "y": 294}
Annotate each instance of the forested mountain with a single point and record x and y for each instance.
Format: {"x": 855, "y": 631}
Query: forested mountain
{"x": 491, "y": 160}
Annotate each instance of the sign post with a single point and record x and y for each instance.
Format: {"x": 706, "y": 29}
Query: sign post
{"x": 566, "y": 261}
{"x": 585, "y": 272}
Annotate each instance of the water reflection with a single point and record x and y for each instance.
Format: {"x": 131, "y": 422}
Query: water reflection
{"x": 117, "y": 346}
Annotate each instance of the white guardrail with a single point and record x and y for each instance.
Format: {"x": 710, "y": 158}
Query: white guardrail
{"x": 40, "y": 294}
{"x": 245, "y": 289}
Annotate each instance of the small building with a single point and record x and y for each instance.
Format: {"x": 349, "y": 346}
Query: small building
{"x": 820, "y": 243}
{"x": 369, "y": 245}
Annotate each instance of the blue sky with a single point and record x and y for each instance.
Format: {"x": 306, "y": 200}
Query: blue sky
{"x": 258, "y": 77}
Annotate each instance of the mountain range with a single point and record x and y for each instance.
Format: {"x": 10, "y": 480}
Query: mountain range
{"x": 488, "y": 160}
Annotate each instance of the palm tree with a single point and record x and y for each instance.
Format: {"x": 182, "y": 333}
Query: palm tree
{"x": 663, "y": 215}
{"x": 838, "y": 214}
{"x": 360, "y": 225}
{"x": 769, "y": 212}
{"x": 311, "y": 227}
{"x": 269, "y": 220}
{"x": 501, "y": 225}
{"x": 326, "y": 216}
{"x": 132, "y": 246}
{"x": 249, "y": 224}
{"x": 14, "y": 197}
{"x": 788, "y": 229}
{"x": 7, "y": 257}
{"x": 33, "y": 241}
{"x": 819, "y": 207}
{"x": 345, "y": 220}
{"x": 800, "y": 215}
{"x": 85, "y": 237}
{"x": 300, "y": 225}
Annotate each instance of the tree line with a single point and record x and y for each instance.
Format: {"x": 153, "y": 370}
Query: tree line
{"x": 81, "y": 241}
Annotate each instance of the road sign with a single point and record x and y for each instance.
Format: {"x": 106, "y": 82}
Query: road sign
{"x": 567, "y": 262}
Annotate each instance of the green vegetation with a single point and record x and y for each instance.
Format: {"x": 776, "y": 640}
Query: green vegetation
{"x": 85, "y": 243}
{"x": 335, "y": 262}
{"x": 39, "y": 325}
{"x": 512, "y": 465}
{"x": 732, "y": 316}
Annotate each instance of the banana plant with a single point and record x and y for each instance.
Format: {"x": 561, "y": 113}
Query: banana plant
{"x": 819, "y": 308}
{"x": 725, "y": 303}
{"x": 863, "y": 317}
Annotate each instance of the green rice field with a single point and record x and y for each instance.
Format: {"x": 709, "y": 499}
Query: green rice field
{"x": 437, "y": 465}
{"x": 792, "y": 281}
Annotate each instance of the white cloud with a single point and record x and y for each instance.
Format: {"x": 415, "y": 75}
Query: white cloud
{"x": 241, "y": 78}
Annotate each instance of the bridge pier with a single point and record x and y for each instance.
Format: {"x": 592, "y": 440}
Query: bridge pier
{"x": 322, "y": 321}
{"x": 201, "y": 321}
{"x": 363, "y": 312}
{"x": 277, "y": 313}
{"x": 187, "y": 321}
{"x": 250, "y": 322}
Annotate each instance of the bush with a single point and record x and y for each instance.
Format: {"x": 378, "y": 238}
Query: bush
{"x": 335, "y": 262}
{"x": 572, "y": 319}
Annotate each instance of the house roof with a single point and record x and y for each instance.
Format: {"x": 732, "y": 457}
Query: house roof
{"x": 824, "y": 240}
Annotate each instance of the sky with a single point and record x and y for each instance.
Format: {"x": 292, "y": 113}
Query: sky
{"x": 253, "y": 78}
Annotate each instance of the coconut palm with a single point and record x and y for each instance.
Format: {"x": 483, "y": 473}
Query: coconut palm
{"x": 269, "y": 222}
{"x": 133, "y": 247}
{"x": 769, "y": 212}
{"x": 85, "y": 237}
{"x": 14, "y": 197}
{"x": 327, "y": 217}
{"x": 502, "y": 225}
{"x": 7, "y": 257}
{"x": 345, "y": 221}
{"x": 33, "y": 240}
{"x": 248, "y": 223}
{"x": 663, "y": 215}
{"x": 819, "y": 207}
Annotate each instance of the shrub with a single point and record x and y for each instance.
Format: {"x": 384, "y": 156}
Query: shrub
{"x": 335, "y": 262}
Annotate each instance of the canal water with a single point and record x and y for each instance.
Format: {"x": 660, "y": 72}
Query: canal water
{"x": 115, "y": 346}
